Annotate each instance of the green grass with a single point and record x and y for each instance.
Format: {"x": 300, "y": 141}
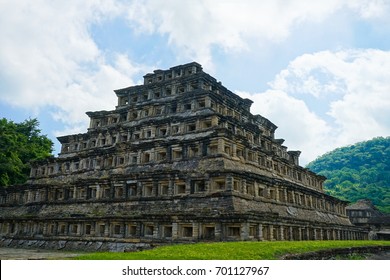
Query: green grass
{"x": 229, "y": 250}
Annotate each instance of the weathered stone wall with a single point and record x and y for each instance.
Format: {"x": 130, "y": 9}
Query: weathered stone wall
{"x": 195, "y": 205}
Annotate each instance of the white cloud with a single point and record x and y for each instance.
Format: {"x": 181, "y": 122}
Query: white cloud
{"x": 50, "y": 60}
{"x": 370, "y": 8}
{"x": 315, "y": 74}
{"x": 195, "y": 27}
{"x": 363, "y": 112}
{"x": 358, "y": 81}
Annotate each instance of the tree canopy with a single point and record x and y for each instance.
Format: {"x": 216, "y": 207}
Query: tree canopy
{"x": 359, "y": 171}
{"x": 20, "y": 143}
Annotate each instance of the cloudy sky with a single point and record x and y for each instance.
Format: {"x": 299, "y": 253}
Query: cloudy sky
{"x": 320, "y": 70}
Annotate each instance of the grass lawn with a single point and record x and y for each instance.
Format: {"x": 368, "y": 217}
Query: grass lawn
{"x": 229, "y": 250}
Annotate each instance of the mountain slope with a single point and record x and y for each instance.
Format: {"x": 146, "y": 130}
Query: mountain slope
{"x": 358, "y": 171}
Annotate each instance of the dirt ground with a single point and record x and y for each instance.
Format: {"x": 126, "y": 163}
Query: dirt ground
{"x": 34, "y": 254}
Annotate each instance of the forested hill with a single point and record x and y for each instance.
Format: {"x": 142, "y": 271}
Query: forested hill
{"x": 358, "y": 171}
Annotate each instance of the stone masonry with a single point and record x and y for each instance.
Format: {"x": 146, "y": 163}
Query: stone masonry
{"x": 180, "y": 159}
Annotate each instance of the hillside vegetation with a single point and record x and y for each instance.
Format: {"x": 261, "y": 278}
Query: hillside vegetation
{"x": 358, "y": 171}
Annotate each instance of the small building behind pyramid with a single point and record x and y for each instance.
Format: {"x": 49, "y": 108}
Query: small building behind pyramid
{"x": 180, "y": 159}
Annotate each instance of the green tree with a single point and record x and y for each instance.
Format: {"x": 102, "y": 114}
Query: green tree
{"x": 20, "y": 143}
{"x": 358, "y": 171}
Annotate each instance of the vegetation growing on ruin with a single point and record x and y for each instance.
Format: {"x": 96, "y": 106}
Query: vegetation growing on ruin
{"x": 359, "y": 171}
{"x": 20, "y": 143}
{"x": 230, "y": 250}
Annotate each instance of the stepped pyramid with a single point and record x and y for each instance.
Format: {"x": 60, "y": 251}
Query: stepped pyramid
{"x": 180, "y": 159}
